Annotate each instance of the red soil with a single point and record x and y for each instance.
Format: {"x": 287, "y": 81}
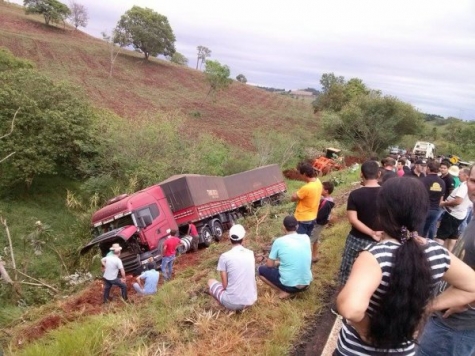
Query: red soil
{"x": 138, "y": 86}
{"x": 89, "y": 302}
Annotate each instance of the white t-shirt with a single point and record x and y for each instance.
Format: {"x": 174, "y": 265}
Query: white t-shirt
{"x": 112, "y": 268}
{"x": 240, "y": 266}
{"x": 459, "y": 211}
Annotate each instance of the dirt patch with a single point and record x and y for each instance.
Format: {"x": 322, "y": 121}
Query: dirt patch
{"x": 318, "y": 327}
{"x": 89, "y": 302}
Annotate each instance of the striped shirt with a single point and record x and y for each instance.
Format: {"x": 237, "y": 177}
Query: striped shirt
{"x": 349, "y": 342}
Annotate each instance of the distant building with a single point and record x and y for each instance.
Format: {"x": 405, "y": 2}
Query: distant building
{"x": 301, "y": 94}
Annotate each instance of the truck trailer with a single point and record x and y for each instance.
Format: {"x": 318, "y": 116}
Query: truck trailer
{"x": 141, "y": 221}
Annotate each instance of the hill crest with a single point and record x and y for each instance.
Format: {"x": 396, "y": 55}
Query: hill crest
{"x": 138, "y": 86}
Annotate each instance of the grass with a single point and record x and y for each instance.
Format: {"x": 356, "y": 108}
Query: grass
{"x": 181, "y": 320}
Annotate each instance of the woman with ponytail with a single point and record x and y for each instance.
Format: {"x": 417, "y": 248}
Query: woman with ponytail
{"x": 391, "y": 286}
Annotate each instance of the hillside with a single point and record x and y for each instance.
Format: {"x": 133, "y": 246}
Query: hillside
{"x": 139, "y": 86}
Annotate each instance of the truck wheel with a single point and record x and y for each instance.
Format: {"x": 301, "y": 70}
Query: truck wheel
{"x": 206, "y": 236}
{"x": 217, "y": 230}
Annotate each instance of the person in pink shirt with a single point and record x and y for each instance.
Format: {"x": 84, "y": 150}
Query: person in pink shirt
{"x": 400, "y": 167}
{"x": 193, "y": 232}
{"x": 168, "y": 254}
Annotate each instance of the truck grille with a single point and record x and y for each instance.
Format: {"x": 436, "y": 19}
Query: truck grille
{"x": 131, "y": 262}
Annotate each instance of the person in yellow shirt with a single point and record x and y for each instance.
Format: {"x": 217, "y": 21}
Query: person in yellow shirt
{"x": 307, "y": 198}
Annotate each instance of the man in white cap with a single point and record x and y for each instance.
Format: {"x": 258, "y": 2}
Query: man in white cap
{"x": 112, "y": 265}
{"x": 238, "y": 288}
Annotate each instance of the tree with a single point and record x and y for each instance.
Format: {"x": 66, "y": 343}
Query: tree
{"x": 336, "y": 92}
{"x": 371, "y": 123}
{"x": 330, "y": 79}
{"x": 241, "y": 78}
{"x": 148, "y": 31}
{"x": 203, "y": 53}
{"x": 179, "y": 59}
{"x": 79, "y": 15}
{"x": 114, "y": 50}
{"x": 52, "y": 10}
{"x": 217, "y": 76}
{"x": 52, "y": 129}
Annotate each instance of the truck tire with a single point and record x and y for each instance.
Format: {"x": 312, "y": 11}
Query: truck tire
{"x": 206, "y": 236}
{"x": 217, "y": 230}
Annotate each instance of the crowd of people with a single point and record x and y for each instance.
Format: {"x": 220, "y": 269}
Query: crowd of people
{"x": 398, "y": 269}
{"x": 403, "y": 290}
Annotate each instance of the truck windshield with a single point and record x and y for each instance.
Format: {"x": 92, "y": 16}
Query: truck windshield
{"x": 120, "y": 222}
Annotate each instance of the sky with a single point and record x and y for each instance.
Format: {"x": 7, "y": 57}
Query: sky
{"x": 420, "y": 51}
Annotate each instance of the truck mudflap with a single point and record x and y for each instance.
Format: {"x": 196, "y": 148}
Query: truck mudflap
{"x": 125, "y": 233}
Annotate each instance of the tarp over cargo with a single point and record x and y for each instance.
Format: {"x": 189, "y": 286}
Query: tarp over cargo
{"x": 258, "y": 178}
{"x": 186, "y": 190}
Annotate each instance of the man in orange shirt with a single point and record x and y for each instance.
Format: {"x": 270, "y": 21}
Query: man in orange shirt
{"x": 307, "y": 198}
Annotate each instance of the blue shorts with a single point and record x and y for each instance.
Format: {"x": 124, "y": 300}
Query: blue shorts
{"x": 272, "y": 275}
{"x": 306, "y": 227}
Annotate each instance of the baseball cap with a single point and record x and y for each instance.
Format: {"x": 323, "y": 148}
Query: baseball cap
{"x": 421, "y": 161}
{"x": 237, "y": 232}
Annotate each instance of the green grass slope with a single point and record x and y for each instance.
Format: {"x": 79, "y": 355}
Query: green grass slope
{"x": 139, "y": 86}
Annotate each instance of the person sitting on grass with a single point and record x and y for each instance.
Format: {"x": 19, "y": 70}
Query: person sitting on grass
{"x": 288, "y": 268}
{"x": 323, "y": 217}
{"x": 168, "y": 254}
{"x": 147, "y": 282}
{"x": 237, "y": 268}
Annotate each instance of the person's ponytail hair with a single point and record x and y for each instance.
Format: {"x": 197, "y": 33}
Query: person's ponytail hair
{"x": 403, "y": 204}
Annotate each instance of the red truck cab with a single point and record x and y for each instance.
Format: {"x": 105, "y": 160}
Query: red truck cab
{"x": 138, "y": 222}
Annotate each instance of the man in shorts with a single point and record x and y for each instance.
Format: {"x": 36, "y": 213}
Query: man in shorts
{"x": 361, "y": 213}
{"x": 307, "y": 198}
{"x": 455, "y": 206}
{"x": 288, "y": 268}
{"x": 453, "y": 332}
{"x": 237, "y": 267}
{"x": 323, "y": 216}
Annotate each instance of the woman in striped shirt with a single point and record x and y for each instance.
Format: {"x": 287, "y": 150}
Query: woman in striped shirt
{"x": 391, "y": 285}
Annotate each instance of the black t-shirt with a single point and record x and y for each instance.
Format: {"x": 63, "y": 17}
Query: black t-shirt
{"x": 449, "y": 184}
{"x": 387, "y": 174}
{"x": 414, "y": 175}
{"x": 363, "y": 201}
{"x": 436, "y": 188}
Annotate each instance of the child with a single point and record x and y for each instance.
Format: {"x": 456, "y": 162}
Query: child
{"x": 323, "y": 216}
{"x": 168, "y": 254}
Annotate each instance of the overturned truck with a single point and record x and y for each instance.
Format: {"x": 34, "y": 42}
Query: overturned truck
{"x": 141, "y": 221}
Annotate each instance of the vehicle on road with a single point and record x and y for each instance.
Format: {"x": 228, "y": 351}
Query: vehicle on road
{"x": 424, "y": 149}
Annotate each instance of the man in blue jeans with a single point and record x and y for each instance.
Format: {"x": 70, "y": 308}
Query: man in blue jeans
{"x": 168, "y": 254}
{"x": 452, "y": 333}
{"x": 112, "y": 265}
{"x": 288, "y": 268}
{"x": 436, "y": 188}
